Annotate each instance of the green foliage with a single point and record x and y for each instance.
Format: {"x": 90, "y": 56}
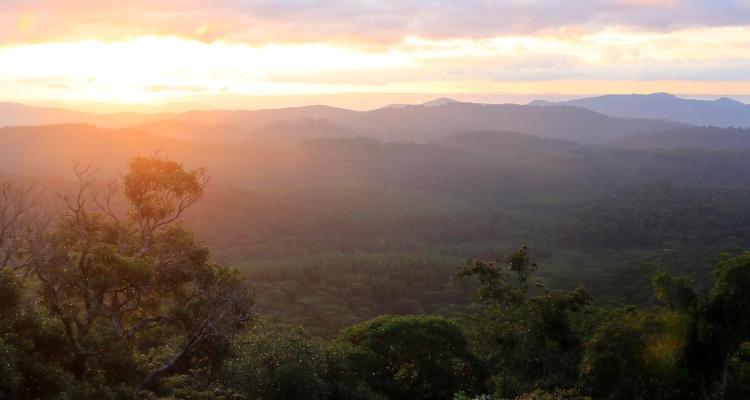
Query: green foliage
{"x": 126, "y": 299}
{"x": 535, "y": 344}
{"x": 638, "y": 355}
{"x": 326, "y": 293}
{"x": 160, "y": 189}
{"x": 32, "y": 363}
{"x": 127, "y": 304}
{"x": 276, "y": 364}
{"x": 530, "y": 342}
{"x": 739, "y": 373}
{"x": 10, "y": 292}
{"x": 729, "y": 300}
{"x": 675, "y": 293}
{"x": 350, "y": 371}
{"x": 724, "y": 321}
{"x": 556, "y": 395}
{"x": 193, "y": 385}
{"x": 413, "y": 357}
{"x": 612, "y": 242}
{"x": 9, "y": 374}
{"x": 496, "y": 283}
{"x": 518, "y": 342}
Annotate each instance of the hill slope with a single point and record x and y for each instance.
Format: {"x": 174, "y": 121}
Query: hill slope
{"x": 708, "y": 138}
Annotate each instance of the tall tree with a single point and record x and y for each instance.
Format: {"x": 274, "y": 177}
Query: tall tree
{"x": 412, "y": 357}
{"x": 528, "y": 341}
{"x": 135, "y": 280}
{"x": 726, "y": 323}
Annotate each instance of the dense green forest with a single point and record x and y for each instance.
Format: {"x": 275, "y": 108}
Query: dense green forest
{"x": 112, "y": 297}
{"x": 604, "y": 218}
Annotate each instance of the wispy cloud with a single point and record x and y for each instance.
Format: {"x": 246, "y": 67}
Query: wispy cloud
{"x": 360, "y": 20}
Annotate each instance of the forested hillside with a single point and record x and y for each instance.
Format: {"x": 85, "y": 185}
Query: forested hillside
{"x": 708, "y": 138}
{"x": 599, "y": 216}
{"x": 100, "y": 303}
{"x": 374, "y": 200}
{"x": 349, "y": 254}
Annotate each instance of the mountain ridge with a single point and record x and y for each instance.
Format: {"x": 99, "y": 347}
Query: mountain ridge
{"x": 723, "y": 112}
{"x": 409, "y": 123}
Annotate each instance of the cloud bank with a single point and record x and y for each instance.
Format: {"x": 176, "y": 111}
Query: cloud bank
{"x": 260, "y": 21}
{"x": 154, "y": 50}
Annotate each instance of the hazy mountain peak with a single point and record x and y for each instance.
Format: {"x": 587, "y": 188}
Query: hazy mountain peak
{"x": 729, "y": 102}
{"x": 440, "y": 102}
{"x": 541, "y": 103}
{"x": 664, "y": 95}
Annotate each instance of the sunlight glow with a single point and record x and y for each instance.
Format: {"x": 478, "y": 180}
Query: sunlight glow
{"x": 160, "y": 68}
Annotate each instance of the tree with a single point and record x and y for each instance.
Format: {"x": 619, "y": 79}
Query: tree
{"x": 641, "y": 354}
{"x": 738, "y": 386}
{"x": 276, "y": 364}
{"x": 16, "y": 205}
{"x": 10, "y": 294}
{"x": 135, "y": 282}
{"x": 726, "y": 320}
{"x": 9, "y": 376}
{"x": 536, "y": 344}
{"x": 614, "y": 365}
{"x": 31, "y": 363}
{"x": 556, "y": 395}
{"x": 496, "y": 280}
{"x": 412, "y": 357}
{"x": 674, "y": 293}
{"x": 527, "y": 342}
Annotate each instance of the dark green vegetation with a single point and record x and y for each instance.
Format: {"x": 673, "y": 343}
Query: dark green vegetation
{"x": 335, "y": 231}
{"x": 100, "y": 303}
{"x": 118, "y": 301}
{"x": 355, "y": 253}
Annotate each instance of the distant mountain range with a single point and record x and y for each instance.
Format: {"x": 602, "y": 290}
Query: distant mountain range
{"x": 723, "y": 112}
{"x": 655, "y": 121}
{"x": 420, "y": 123}
{"x": 14, "y": 114}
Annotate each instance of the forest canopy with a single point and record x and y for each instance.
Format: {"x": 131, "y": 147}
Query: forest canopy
{"x": 114, "y": 298}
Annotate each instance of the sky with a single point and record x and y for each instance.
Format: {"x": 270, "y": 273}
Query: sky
{"x": 218, "y": 52}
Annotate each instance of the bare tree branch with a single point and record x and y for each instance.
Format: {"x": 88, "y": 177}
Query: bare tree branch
{"x": 17, "y": 205}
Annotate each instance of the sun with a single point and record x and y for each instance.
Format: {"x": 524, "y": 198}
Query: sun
{"x": 156, "y": 68}
{"x": 161, "y": 69}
